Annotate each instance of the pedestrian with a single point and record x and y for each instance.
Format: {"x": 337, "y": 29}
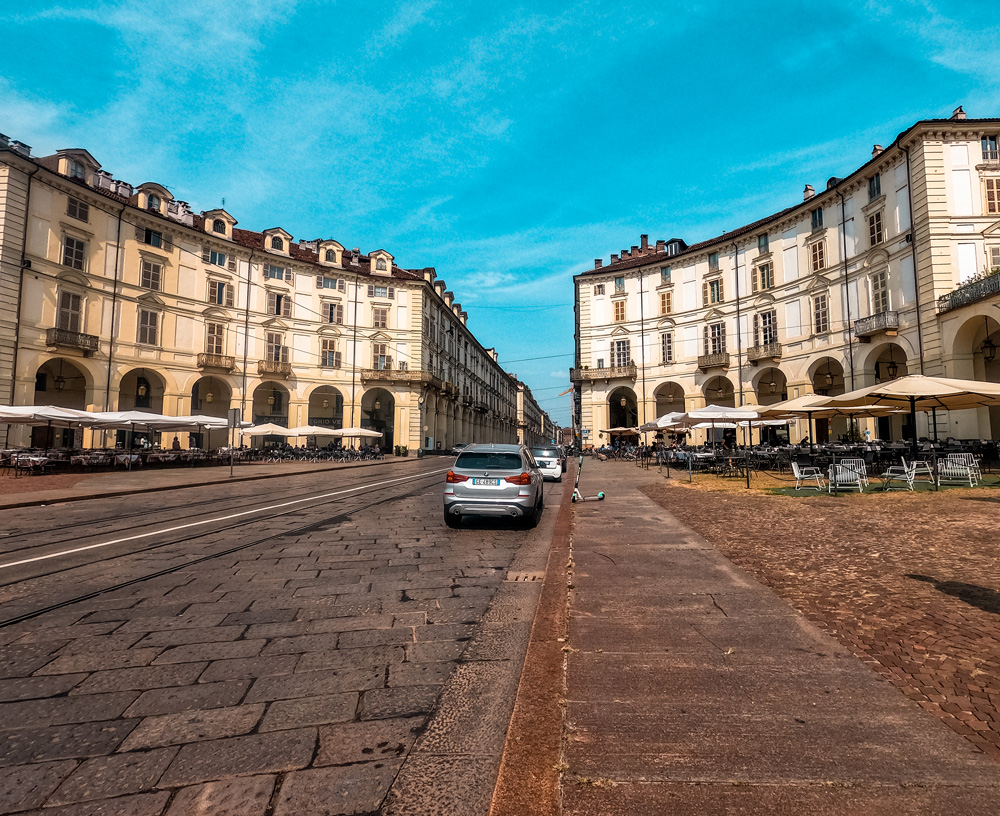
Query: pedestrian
{"x": 176, "y": 444}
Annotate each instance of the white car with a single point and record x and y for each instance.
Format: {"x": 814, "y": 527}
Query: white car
{"x": 549, "y": 460}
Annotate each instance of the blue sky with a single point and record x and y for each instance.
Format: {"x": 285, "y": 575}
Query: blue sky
{"x": 506, "y": 145}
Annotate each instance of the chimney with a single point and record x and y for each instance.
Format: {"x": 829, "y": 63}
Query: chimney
{"x": 958, "y": 113}
{"x": 661, "y": 246}
{"x": 21, "y": 149}
{"x": 634, "y": 251}
{"x": 644, "y": 242}
{"x": 808, "y": 193}
{"x": 355, "y": 256}
{"x": 598, "y": 263}
{"x": 876, "y": 149}
{"x": 614, "y": 258}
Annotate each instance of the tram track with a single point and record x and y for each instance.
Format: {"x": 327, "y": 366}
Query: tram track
{"x": 342, "y": 514}
{"x": 9, "y": 536}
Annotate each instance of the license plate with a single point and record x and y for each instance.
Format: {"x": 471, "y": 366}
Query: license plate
{"x": 490, "y": 482}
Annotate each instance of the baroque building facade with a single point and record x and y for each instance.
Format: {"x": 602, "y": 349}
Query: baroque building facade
{"x": 117, "y": 297}
{"x": 893, "y": 270}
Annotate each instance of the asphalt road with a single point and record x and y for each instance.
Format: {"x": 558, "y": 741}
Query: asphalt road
{"x": 309, "y": 644}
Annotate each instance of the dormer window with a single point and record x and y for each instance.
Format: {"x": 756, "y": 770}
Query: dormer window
{"x": 330, "y": 256}
{"x": 875, "y": 187}
{"x": 218, "y": 225}
{"x": 154, "y": 203}
{"x": 77, "y": 170}
{"x": 277, "y": 243}
{"x": 380, "y": 265}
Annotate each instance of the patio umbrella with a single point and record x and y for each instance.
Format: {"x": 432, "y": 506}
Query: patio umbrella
{"x": 44, "y": 415}
{"x": 918, "y": 392}
{"x": 313, "y": 430}
{"x": 355, "y": 433}
{"x": 267, "y": 429}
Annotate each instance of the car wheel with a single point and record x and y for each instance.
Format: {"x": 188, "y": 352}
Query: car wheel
{"x": 531, "y": 520}
{"x": 558, "y": 478}
{"x": 452, "y": 520}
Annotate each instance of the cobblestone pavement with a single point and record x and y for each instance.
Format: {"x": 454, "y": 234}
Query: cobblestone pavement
{"x": 909, "y": 582}
{"x": 291, "y": 678}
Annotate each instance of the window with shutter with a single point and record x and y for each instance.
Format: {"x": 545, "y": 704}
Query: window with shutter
{"x": 77, "y": 209}
{"x": 319, "y": 281}
{"x": 148, "y": 327}
{"x": 150, "y": 276}
{"x": 667, "y": 347}
{"x": 818, "y": 251}
{"x": 821, "y": 315}
{"x": 74, "y": 252}
{"x": 232, "y": 264}
{"x": 756, "y": 330}
{"x": 70, "y": 309}
{"x": 880, "y": 292}
{"x": 215, "y": 338}
{"x": 371, "y": 291}
{"x": 380, "y": 318}
{"x": 992, "y": 194}
{"x": 206, "y": 255}
{"x": 704, "y": 296}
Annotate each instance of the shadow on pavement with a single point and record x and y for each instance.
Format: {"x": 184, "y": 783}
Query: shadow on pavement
{"x": 982, "y": 597}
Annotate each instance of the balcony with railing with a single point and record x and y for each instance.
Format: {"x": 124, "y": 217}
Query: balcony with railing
{"x": 277, "y": 368}
{"x": 223, "y": 361}
{"x": 770, "y": 352}
{"x": 991, "y": 156}
{"x": 625, "y": 372}
{"x": 400, "y": 376}
{"x": 970, "y": 292}
{"x": 881, "y": 323}
{"x": 87, "y": 343}
{"x": 707, "y": 361}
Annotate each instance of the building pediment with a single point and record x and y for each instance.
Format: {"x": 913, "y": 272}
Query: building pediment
{"x": 877, "y": 257}
{"x": 380, "y": 337}
{"x": 763, "y": 300}
{"x": 149, "y": 299}
{"x": 819, "y": 284}
{"x": 993, "y": 229}
{"x": 215, "y": 313}
{"x": 666, "y": 323}
{"x": 619, "y": 331}
{"x": 275, "y": 323}
{"x": 328, "y": 331}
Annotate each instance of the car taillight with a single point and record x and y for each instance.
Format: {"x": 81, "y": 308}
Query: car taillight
{"x": 522, "y": 479}
{"x": 455, "y": 477}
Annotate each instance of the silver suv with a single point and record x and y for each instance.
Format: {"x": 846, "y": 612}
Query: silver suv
{"x": 494, "y": 480}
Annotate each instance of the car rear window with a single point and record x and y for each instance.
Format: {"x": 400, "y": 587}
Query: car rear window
{"x": 546, "y": 452}
{"x": 488, "y": 460}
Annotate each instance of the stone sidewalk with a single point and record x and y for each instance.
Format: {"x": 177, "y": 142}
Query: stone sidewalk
{"x": 693, "y": 688}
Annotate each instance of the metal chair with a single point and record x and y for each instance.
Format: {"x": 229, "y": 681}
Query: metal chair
{"x": 807, "y": 473}
{"x": 900, "y": 473}
{"x": 844, "y": 476}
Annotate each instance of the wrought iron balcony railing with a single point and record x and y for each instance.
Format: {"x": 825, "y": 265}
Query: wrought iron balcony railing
{"x": 394, "y": 375}
{"x": 624, "y": 372}
{"x": 707, "y": 361}
{"x": 971, "y": 292}
{"x": 71, "y": 339}
{"x": 765, "y": 351}
{"x": 224, "y": 361}
{"x": 887, "y": 322}
{"x": 279, "y": 369}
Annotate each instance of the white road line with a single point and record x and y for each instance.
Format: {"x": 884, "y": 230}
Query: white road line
{"x": 217, "y": 519}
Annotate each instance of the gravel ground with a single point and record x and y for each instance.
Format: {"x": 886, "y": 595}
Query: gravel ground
{"x": 910, "y": 582}
{"x": 30, "y": 483}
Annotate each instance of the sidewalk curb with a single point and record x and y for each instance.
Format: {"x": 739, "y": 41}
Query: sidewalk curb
{"x": 528, "y": 783}
{"x": 186, "y": 485}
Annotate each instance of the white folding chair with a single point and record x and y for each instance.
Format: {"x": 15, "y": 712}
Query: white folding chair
{"x": 859, "y": 466}
{"x": 955, "y": 471}
{"x": 845, "y": 477}
{"x": 900, "y": 473}
{"x": 969, "y": 460}
{"x": 807, "y": 473}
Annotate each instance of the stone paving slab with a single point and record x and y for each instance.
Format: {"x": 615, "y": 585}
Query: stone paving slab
{"x": 692, "y": 689}
{"x": 261, "y": 681}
